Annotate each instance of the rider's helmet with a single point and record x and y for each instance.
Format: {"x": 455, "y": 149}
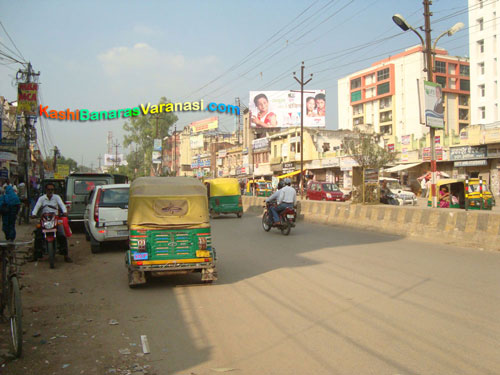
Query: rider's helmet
{"x": 281, "y": 183}
{"x": 287, "y": 181}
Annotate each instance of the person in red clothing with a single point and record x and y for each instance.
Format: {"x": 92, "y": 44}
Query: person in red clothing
{"x": 264, "y": 118}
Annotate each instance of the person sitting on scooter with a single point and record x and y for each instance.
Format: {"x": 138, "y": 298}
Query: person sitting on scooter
{"x": 286, "y": 199}
{"x": 51, "y": 203}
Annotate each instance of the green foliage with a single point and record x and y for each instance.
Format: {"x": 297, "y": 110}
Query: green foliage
{"x": 141, "y": 131}
{"x": 73, "y": 165}
{"x": 365, "y": 149}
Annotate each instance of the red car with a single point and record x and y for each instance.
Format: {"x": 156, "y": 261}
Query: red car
{"x": 324, "y": 191}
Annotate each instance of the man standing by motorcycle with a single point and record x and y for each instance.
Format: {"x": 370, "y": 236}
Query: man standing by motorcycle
{"x": 287, "y": 197}
{"x": 51, "y": 203}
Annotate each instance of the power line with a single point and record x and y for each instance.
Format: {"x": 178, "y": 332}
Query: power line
{"x": 14, "y": 44}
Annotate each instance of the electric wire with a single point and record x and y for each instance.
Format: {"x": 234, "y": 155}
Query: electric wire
{"x": 14, "y": 44}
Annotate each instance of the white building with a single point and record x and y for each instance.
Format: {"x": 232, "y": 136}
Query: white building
{"x": 385, "y": 96}
{"x": 484, "y": 24}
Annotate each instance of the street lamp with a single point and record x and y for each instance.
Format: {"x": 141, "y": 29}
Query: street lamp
{"x": 428, "y": 67}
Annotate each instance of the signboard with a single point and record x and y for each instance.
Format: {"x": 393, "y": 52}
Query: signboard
{"x": 471, "y": 163}
{"x": 281, "y": 109}
{"x": 330, "y": 162}
{"x": 7, "y": 142}
{"x": 405, "y": 139}
{"x": 434, "y": 110}
{"x": 222, "y": 153}
{"x": 390, "y": 147}
{"x": 8, "y": 156}
{"x": 371, "y": 176}
{"x": 27, "y": 98}
{"x": 260, "y": 143}
{"x": 62, "y": 171}
{"x": 208, "y": 124}
{"x": 288, "y": 165}
{"x": 464, "y": 135}
{"x": 437, "y": 139}
{"x": 467, "y": 152}
{"x": 156, "y": 156}
{"x": 196, "y": 141}
{"x": 404, "y": 154}
{"x": 427, "y": 156}
{"x": 347, "y": 163}
{"x": 157, "y": 145}
{"x": 439, "y": 153}
{"x": 4, "y": 173}
{"x": 111, "y": 160}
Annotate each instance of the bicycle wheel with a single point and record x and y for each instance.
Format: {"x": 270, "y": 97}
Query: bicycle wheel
{"x": 15, "y": 317}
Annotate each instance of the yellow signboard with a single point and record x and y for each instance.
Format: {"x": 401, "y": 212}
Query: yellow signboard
{"x": 205, "y": 125}
{"x": 62, "y": 171}
{"x": 26, "y": 98}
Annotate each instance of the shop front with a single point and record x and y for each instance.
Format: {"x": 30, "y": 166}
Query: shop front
{"x": 471, "y": 161}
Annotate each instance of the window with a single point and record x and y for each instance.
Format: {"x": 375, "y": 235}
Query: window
{"x": 370, "y": 92}
{"x": 452, "y": 83}
{"x": 464, "y": 85}
{"x": 464, "y": 70}
{"x": 355, "y": 83}
{"x": 326, "y": 147}
{"x": 356, "y": 96}
{"x": 480, "y": 46}
{"x": 386, "y": 116}
{"x": 357, "y": 110}
{"x": 480, "y": 2}
{"x": 383, "y": 88}
{"x": 383, "y": 74}
{"x": 480, "y": 24}
{"x": 452, "y": 68}
{"x": 385, "y": 102}
{"x": 359, "y": 121}
{"x": 481, "y": 90}
{"x": 463, "y": 100}
{"x": 463, "y": 114}
{"x": 440, "y": 67}
{"x": 386, "y": 129}
{"x": 441, "y": 80}
{"x": 482, "y": 112}
{"x": 480, "y": 68}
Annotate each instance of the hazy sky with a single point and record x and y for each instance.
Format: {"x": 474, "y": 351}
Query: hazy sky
{"x": 100, "y": 55}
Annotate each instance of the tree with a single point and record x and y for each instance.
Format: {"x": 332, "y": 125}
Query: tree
{"x": 366, "y": 150}
{"x": 49, "y": 162}
{"x": 142, "y": 130}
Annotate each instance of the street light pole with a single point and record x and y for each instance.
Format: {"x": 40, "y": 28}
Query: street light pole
{"x": 429, "y": 50}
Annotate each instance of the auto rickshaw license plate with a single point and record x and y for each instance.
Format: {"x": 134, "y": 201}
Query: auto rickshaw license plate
{"x": 140, "y": 256}
{"x": 202, "y": 253}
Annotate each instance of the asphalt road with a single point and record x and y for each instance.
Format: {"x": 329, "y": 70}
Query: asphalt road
{"x": 323, "y": 300}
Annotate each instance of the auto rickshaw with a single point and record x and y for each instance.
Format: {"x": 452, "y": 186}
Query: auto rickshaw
{"x": 224, "y": 196}
{"x": 262, "y": 188}
{"x": 456, "y": 189}
{"x": 169, "y": 229}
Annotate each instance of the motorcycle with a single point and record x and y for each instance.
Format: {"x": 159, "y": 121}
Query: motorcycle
{"x": 48, "y": 225}
{"x": 287, "y": 219}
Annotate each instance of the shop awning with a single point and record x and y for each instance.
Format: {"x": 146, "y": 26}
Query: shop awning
{"x": 289, "y": 174}
{"x": 401, "y": 167}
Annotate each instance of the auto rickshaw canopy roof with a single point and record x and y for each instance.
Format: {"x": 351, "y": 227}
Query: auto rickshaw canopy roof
{"x": 220, "y": 187}
{"x": 167, "y": 202}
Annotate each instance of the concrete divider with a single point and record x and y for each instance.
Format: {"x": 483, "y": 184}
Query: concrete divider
{"x": 480, "y": 229}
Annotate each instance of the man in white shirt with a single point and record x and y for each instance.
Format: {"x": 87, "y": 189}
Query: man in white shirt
{"x": 287, "y": 198}
{"x": 52, "y": 203}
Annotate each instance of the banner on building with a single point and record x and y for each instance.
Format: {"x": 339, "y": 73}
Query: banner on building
{"x": 405, "y": 139}
{"x": 281, "y": 109}
{"x": 208, "y": 124}
{"x": 260, "y": 143}
{"x": 111, "y": 160}
{"x": 196, "y": 141}
{"x": 27, "y": 98}
{"x": 434, "y": 109}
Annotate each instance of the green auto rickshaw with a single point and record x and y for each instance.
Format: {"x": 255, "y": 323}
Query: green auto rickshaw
{"x": 169, "y": 229}
{"x": 261, "y": 188}
{"x": 224, "y": 196}
{"x": 452, "y": 193}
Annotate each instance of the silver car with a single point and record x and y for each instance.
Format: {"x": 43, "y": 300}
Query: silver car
{"x": 106, "y": 213}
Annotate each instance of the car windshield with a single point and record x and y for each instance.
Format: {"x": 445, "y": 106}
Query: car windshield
{"x": 475, "y": 188}
{"x": 330, "y": 187}
{"x": 264, "y": 185}
{"x": 114, "y": 197}
{"x": 393, "y": 184}
{"x": 83, "y": 187}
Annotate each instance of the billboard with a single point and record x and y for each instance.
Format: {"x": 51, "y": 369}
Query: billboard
{"x": 157, "y": 145}
{"x": 281, "y": 109}
{"x": 434, "y": 110}
{"x": 26, "y": 98}
{"x": 196, "y": 141}
{"x": 211, "y": 123}
{"x": 111, "y": 160}
{"x": 156, "y": 156}
{"x": 62, "y": 171}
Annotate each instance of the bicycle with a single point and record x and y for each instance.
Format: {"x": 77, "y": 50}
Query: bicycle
{"x": 11, "y": 295}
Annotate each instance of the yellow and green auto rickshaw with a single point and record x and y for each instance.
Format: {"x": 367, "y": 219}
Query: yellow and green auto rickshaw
{"x": 455, "y": 195}
{"x": 262, "y": 188}
{"x": 224, "y": 196}
{"x": 169, "y": 229}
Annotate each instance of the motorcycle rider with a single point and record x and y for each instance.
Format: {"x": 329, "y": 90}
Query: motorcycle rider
{"x": 51, "y": 203}
{"x": 287, "y": 198}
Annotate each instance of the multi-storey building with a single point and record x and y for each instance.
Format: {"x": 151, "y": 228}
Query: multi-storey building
{"x": 484, "y": 24}
{"x": 385, "y": 96}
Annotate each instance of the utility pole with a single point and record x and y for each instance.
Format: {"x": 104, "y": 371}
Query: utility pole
{"x": 302, "y": 84}
{"x": 99, "y": 160}
{"x": 56, "y": 154}
{"x": 238, "y": 104}
{"x": 175, "y": 150}
{"x": 116, "y": 154}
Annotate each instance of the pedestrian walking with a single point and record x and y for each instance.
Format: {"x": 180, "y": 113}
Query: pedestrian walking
{"x": 423, "y": 185}
{"x": 9, "y": 207}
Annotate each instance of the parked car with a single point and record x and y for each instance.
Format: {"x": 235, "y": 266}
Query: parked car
{"x": 78, "y": 186}
{"x": 324, "y": 191}
{"x": 105, "y": 216}
{"x": 392, "y": 192}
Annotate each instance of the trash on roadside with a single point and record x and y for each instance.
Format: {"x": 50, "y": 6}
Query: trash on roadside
{"x": 73, "y": 290}
{"x": 66, "y": 365}
{"x": 56, "y": 284}
{"x": 145, "y": 344}
{"x": 37, "y": 334}
{"x": 139, "y": 354}
{"x": 113, "y": 322}
{"x": 223, "y": 369}
{"x": 125, "y": 351}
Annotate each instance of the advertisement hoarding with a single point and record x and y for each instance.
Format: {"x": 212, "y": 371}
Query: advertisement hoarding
{"x": 157, "y": 145}
{"x": 62, "y": 171}
{"x": 196, "y": 141}
{"x": 156, "y": 156}
{"x": 281, "y": 109}
{"x": 434, "y": 110}
{"x": 27, "y": 98}
{"x": 208, "y": 124}
{"x": 111, "y": 160}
